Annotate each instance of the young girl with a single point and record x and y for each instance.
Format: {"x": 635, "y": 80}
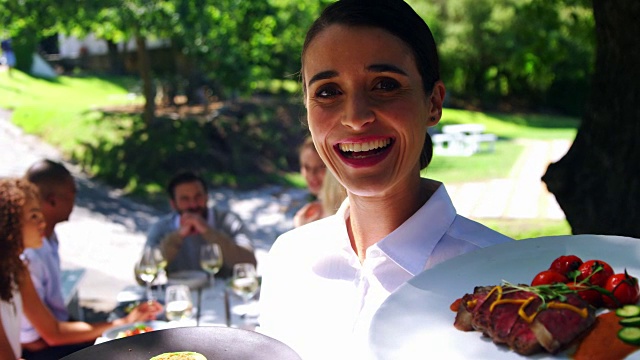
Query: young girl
{"x": 22, "y": 226}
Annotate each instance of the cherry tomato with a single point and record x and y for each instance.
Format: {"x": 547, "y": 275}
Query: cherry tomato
{"x": 591, "y": 296}
{"x": 566, "y": 264}
{"x": 597, "y": 271}
{"x": 140, "y": 329}
{"x": 624, "y": 288}
{"x": 548, "y": 277}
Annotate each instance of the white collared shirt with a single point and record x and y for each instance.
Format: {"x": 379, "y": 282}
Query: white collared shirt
{"x": 317, "y": 297}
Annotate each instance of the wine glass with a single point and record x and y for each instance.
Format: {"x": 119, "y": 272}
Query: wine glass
{"x": 178, "y": 303}
{"x": 244, "y": 281}
{"x": 211, "y": 259}
{"x": 161, "y": 278}
{"x": 147, "y": 269}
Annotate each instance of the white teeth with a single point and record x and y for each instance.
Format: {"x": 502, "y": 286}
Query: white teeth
{"x": 368, "y": 146}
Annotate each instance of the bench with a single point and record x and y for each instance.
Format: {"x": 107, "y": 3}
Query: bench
{"x": 463, "y": 140}
{"x": 70, "y": 279}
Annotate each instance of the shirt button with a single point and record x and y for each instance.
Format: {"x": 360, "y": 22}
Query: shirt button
{"x": 374, "y": 253}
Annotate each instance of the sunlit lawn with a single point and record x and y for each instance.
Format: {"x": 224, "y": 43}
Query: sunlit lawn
{"x": 56, "y": 109}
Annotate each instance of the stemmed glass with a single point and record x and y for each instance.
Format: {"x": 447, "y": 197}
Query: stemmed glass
{"x": 178, "y": 304}
{"x": 147, "y": 269}
{"x": 244, "y": 282}
{"x": 162, "y": 265}
{"x": 211, "y": 259}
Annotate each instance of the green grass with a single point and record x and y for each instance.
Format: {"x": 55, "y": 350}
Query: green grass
{"x": 478, "y": 167}
{"x": 517, "y": 126}
{"x": 528, "y": 228}
{"x": 508, "y": 127}
{"x": 57, "y": 109}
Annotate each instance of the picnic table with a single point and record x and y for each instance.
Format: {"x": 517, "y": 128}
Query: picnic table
{"x": 463, "y": 140}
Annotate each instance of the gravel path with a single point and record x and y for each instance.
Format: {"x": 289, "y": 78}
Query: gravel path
{"x": 106, "y": 230}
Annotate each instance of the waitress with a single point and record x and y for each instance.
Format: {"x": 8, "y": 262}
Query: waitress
{"x": 372, "y": 88}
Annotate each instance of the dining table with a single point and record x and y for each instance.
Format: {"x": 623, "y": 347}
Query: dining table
{"x": 214, "y": 304}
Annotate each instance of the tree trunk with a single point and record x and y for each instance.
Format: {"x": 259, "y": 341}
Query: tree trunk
{"x": 115, "y": 62}
{"x": 597, "y": 183}
{"x": 147, "y": 82}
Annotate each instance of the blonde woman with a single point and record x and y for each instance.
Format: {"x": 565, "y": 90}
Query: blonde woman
{"x": 330, "y": 196}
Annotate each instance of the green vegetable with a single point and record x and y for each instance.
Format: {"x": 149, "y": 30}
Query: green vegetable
{"x": 630, "y": 335}
{"x": 628, "y": 311}
{"x": 632, "y": 321}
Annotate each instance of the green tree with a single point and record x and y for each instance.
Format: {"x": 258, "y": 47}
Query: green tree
{"x": 514, "y": 51}
{"x": 27, "y": 22}
{"x": 117, "y": 20}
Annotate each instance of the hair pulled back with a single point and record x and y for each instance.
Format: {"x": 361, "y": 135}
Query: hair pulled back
{"x": 397, "y": 18}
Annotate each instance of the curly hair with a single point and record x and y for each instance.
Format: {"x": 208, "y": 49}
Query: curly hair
{"x": 14, "y": 193}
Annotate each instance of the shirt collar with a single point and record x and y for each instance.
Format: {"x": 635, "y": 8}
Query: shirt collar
{"x": 411, "y": 244}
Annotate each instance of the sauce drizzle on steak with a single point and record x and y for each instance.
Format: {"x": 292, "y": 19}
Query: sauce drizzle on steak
{"x": 524, "y": 321}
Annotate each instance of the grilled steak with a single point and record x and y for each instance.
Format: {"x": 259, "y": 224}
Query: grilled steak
{"x": 468, "y": 302}
{"x": 520, "y": 319}
{"x": 557, "y": 328}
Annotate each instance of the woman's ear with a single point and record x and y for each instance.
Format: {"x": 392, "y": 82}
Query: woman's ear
{"x": 436, "y": 100}
{"x": 50, "y": 199}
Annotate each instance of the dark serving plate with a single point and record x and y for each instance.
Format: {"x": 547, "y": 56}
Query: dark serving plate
{"x": 214, "y": 342}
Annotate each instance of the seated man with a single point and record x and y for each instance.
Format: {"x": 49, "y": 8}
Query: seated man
{"x": 57, "y": 192}
{"x": 181, "y": 233}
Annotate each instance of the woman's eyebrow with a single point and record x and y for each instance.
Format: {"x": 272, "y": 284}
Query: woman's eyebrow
{"x": 386, "y": 68}
{"x": 377, "y": 68}
{"x": 323, "y": 75}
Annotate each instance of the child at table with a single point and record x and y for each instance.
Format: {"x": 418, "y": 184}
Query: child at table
{"x": 21, "y": 226}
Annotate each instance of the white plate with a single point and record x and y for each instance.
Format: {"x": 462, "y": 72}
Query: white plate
{"x": 192, "y": 278}
{"x": 415, "y": 321}
{"x": 155, "y": 325}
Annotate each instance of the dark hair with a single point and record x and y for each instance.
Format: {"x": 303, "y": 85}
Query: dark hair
{"x": 14, "y": 194}
{"x": 397, "y": 18}
{"x": 47, "y": 174}
{"x": 183, "y": 178}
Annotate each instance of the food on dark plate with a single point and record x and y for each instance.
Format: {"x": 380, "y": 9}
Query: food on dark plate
{"x": 134, "y": 330}
{"x": 180, "y": 355}
{"x": 523, "y": 320}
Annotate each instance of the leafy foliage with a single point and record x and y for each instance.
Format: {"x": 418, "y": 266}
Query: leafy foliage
{"x": 245, "y": 144}
{"x": 524, "y": 53}
{"x": 520, "y": 53}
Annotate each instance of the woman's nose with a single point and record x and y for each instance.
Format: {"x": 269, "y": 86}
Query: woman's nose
{"x": 358, "y": 111}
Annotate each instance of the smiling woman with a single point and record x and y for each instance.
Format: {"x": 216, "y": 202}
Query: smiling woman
{"x": 368, "y": 110}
